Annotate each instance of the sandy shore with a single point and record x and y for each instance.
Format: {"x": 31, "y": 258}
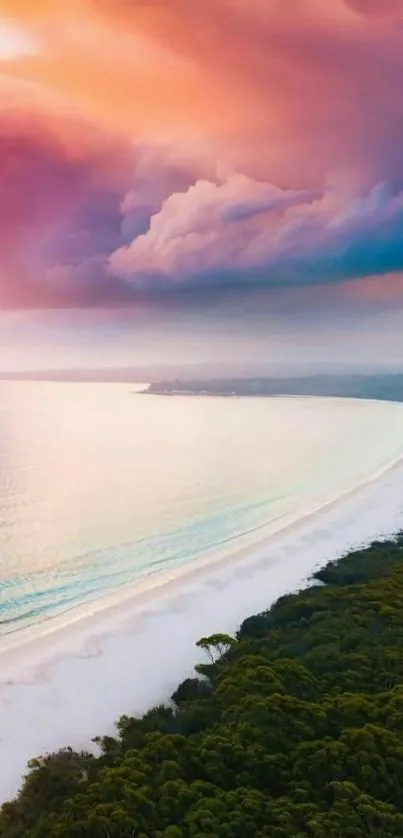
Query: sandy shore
{"x": 65, "y": 683}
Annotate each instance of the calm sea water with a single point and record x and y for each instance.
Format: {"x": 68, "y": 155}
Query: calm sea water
{"x": 101, "y": 486}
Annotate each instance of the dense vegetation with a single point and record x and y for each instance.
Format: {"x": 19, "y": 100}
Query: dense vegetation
{"x": 293, "y": 728}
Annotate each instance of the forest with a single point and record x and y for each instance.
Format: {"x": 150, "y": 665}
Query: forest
{"x": 294, "y": 727}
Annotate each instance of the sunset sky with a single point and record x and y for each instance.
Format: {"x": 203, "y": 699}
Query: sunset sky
{"x": 169, "y": 149}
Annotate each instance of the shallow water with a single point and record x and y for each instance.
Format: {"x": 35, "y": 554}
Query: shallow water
{"x": 102, "y": 486}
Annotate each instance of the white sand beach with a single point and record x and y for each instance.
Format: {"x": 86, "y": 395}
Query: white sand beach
{"x": 68, "y": 679}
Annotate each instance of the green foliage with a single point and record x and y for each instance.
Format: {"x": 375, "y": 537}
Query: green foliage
{"x": 296, "y": 729}
{"x": 216, "y": 645}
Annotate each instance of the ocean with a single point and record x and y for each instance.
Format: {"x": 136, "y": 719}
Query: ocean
{"x": 103, "y": 487}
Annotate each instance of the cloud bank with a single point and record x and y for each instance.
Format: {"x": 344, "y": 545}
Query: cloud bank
{"x": 151, "y": 148}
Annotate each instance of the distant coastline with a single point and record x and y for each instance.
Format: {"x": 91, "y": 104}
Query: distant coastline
{"x": 168, "y": 381}
{"x": 379, "y": 387}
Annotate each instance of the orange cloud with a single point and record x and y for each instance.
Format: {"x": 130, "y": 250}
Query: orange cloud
{"x": 97, "y": 69}
{"x": 287, "y": 91}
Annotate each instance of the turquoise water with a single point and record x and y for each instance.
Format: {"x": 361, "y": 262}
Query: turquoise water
{"x": 102, "y": 487}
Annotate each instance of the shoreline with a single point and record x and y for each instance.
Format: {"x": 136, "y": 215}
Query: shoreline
{"x": 163, "y": 584}
{"x": 72, "y": 683}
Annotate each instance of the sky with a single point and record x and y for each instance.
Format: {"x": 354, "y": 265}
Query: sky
{"x": 242, "y": 156}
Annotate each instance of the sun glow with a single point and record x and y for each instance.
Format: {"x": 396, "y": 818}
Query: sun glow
{"x": 14, "y": 43}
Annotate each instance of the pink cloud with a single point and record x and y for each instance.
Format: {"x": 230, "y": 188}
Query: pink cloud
{"x": 379, "y": 8}
{"x": 195, "y": 230}
{"x": 253, "y": 230}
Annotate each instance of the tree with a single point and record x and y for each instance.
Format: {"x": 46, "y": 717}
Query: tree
{"x": 216, "y": 645}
